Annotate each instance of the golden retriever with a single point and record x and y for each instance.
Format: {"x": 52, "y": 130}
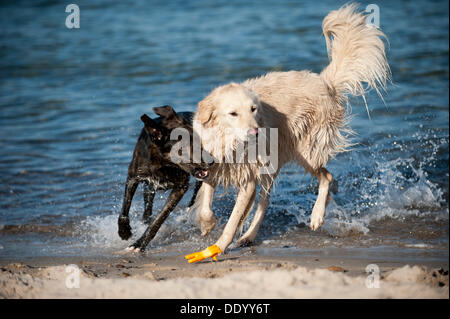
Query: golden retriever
{"x": 308, "y": 109}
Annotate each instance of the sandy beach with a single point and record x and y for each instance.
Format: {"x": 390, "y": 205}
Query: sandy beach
{"x": 233, "y": 276}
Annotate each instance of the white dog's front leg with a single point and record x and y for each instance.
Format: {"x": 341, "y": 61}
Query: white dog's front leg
{"x": 242, "y": 201}
{"x": 318, "y": 212}
{"x": 249, "y": 237}
{"x": 206, "y": 217}
{"x": 264, "y": 198}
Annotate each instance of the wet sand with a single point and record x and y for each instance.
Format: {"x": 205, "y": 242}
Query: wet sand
{"x": 245, "y": 273}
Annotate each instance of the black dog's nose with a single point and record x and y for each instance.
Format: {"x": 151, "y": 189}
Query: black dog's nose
{"x": 201, "y": 174}
{"x": 252, "y": 131}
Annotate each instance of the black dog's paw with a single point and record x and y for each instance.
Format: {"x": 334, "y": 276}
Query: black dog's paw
{"x": 124, "y": 228}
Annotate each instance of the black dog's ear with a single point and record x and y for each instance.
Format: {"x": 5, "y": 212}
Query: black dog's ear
{"x": 167, "y": 112}
{"x": 148, "y": 121}
{"x": 152, "y": 128}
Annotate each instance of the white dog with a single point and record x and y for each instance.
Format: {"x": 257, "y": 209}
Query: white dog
{"x": 310, "y": 112}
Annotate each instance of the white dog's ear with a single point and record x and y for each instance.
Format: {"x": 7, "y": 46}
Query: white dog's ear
{"x": 205, "y": 110}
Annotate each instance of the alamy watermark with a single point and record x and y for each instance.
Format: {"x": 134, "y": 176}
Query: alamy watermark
{"x": 373, "y": 17}
{"x": 73, "y": 277}
{"x": 73, "y": 19}
{"x": 373, "y": 280}
{"x": 228, "y": 146}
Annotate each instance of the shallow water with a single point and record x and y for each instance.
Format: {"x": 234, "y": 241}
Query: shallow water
{"x": 70, "y": 102}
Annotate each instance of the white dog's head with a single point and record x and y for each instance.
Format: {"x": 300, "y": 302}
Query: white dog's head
{"x": 233, "y": 108}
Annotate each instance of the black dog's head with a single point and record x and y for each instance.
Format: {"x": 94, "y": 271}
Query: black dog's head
{"x": 172, "y": 133}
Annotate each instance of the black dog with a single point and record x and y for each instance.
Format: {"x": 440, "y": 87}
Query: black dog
{"x": 152, "y": 165}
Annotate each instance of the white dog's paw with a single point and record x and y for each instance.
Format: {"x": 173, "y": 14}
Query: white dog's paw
{"x": 316, "y": 221}
{"x": 245, "y": 241}
{"x": 207, "y": 225}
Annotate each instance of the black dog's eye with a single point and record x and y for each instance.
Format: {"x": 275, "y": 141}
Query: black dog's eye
{"x": 233, "y": 114}
{"x": 253, "y": 108}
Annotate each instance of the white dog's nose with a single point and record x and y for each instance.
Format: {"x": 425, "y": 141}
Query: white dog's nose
{"x": 252, "y": 132}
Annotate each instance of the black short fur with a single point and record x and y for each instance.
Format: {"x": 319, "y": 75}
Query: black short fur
{"x": 152, "y": 166}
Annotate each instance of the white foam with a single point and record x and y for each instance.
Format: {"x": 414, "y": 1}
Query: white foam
{"x": 101, "y": 232}
{"x": 388, "y": 194}
{"x": 421, "y": 245}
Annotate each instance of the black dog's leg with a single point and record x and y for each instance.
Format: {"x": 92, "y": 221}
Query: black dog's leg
{"x": 149, "y": 195}
{"x": 197, "y": 186}
{"x": 172, "y": 201}
{"x": 124, "y": 220}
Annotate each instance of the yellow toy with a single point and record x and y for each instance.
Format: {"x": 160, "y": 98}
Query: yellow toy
{"x": 211, "y": 251}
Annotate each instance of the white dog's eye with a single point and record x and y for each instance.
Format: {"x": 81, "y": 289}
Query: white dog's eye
{"x": 233, "y": 114}
{"x": 253, "y": 108}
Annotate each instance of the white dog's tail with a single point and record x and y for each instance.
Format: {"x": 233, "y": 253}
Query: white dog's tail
{"x": 356, "y": 52}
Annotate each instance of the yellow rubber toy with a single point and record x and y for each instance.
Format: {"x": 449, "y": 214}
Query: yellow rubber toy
{"x": 211, "y": 251}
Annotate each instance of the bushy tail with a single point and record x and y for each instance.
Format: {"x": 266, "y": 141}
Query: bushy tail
{"x": 356, "y": 52}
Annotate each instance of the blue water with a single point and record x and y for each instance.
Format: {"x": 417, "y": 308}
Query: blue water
{"x": 70, "y": 102}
